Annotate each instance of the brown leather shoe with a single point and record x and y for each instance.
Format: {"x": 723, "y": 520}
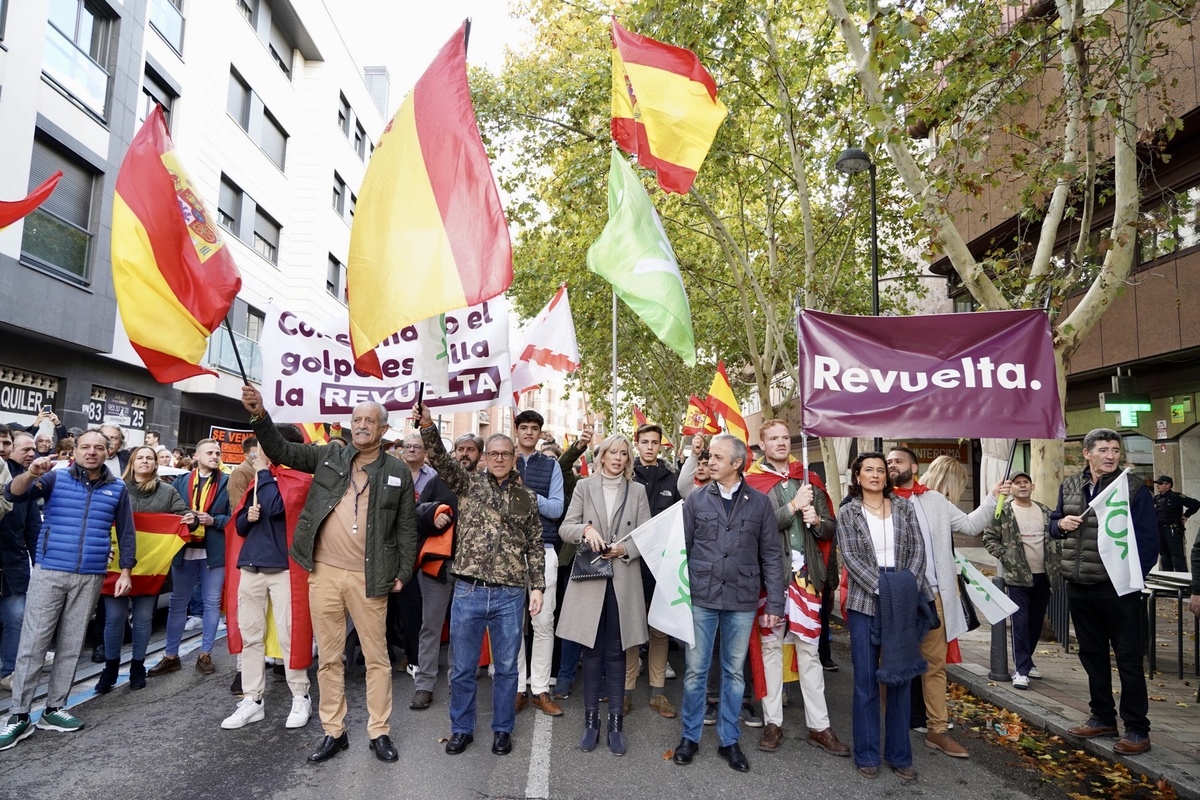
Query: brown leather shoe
{"x": 204, "y": 664}
{"x": 942, "y": 742}
{"x": 167, "y": 665}
{"x": 546, "y": 703}
{"x": 1092, "y": 728}
{"x": 521, "y": 702}
{"x": 869, "y": 772}
{"x": 828, "y": 741}
{"x": 663, "y": 706}
{"x": 772, "y": 737}
{"x": 1132, "y": 745}
{"x": 906, "y": 774}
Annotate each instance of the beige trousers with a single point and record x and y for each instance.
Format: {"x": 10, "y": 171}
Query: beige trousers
{"x": 254, "y": 590}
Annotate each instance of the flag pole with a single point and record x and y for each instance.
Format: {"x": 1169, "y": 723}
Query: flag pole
{"x": 236, "y": 354}
{"x": 614, "y": 362}
{"x": 1012, "y": 454}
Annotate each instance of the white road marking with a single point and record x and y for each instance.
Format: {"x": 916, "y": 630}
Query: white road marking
{"x": 537, "y": 786}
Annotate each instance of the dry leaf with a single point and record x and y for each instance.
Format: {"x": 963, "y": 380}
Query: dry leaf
{"x": 1158, "y": 698}
{"x": 667, "y": 756}
{"x": 443, "y": 739}
{"x": 1182, "y": 705}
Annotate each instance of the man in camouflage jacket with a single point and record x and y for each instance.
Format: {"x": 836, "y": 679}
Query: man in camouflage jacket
{"x": 499, "y": 552}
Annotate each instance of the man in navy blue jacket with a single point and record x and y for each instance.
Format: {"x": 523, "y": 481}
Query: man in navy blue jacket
{"x": 82, "y": 505}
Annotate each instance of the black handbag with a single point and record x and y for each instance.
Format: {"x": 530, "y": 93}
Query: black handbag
{"x": 967, "y": 606}
{"x": 587, "y": 565}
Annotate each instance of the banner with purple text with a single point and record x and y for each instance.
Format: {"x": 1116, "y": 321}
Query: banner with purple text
{"x": 309, "y": 374}
{"x": 982, "y": 375}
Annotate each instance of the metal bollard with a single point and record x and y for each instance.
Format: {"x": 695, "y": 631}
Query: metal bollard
{"x": 998, "y": 671}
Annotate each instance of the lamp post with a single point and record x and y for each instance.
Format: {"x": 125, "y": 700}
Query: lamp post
{"x": 852, "y": 161}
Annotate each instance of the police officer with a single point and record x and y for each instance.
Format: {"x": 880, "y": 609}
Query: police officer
{"x": 1172, "y": 510}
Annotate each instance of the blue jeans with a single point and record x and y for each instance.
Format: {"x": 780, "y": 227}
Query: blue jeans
{"x": 864, "y": 657}
{"x": 568, "y": 663}
{"x": 734, "y": 628}
{"x": 12, "y": 611}
{"x": 116, "y": 609}
{"x": 501, "y": 611}
{"x": 183, "y": 578}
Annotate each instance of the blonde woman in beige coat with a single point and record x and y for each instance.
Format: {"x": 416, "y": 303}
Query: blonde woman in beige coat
{"x": 606, "y": 615}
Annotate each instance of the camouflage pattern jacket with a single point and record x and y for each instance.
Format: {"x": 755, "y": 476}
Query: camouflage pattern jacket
{"x": 498, "y": 529}
{"x": 1003, "y": 540}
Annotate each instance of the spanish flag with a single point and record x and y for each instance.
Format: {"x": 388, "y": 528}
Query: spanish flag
{"x": 13, "y": 210}
{"x": 698, "y": 419}
{"x": 722, "y": 401}
{"x": 174, "y": 277}
{"x": 429, "y": 233}
{"x": 314, "y": 432}
{"x": 639, "y": 419}
{"x": 665, "y": 109}
{"x": 159, "y": 538}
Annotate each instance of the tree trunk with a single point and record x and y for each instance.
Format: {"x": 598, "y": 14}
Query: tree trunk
{"x": 833, "y": 475}
{"x": 1046, "y": 455}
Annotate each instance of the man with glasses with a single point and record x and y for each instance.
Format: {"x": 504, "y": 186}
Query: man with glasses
{"x": 499, "y": 549}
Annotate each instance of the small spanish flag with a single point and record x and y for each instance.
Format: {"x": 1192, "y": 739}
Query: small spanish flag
{"x": 429, "y": 232}
{"x": 173, "y": 275}
{"x": 665, "y": 109}
{"x": 721, "y": 400}
{"x": 159, "y": 538}
{"x": 639, "y": 419}
{"x": 698, "y": 418}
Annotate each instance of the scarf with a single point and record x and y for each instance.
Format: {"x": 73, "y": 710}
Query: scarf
{"x": 901, "y": 622}
{"x": 201, "y": 498}
{"x": 917, "y": 488}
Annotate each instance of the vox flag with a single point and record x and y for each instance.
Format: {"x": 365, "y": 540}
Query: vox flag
{"x": 429, "y": 233}
{"x": 721, "y": 400}
{"x": 633, "y": 254}
{"x": 989, "y": 600}
{"x": 1115, "y": 538}
{"x": 13, "y": 210}
{"x": 665, "y": 109}
{"x": 661, "y": 544}
{"x": 173, "y": 275}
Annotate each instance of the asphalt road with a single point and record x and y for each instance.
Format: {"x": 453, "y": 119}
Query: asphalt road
{"x": 166, "y": 742}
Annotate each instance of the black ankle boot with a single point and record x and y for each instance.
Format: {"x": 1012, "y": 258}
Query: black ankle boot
{"x": 137, "y": 674}
{"x": 591, "y": 731}
{"x": 108, "y": 678}
{"x": 616, "y": 739}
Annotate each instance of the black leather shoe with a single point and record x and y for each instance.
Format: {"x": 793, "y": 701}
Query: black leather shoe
{"x": 736, "y": 758}
{"x": 458, "y": 742}
{"x": 685, "y": 750}
{"x": 502, "y": 744}
{"x": 329, "y": 748}
{"x": 382, "y": 747}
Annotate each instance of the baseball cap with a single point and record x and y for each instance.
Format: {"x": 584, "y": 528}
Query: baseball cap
{"x": 1025, "y": 475}
{"x": 1164, "y": 479}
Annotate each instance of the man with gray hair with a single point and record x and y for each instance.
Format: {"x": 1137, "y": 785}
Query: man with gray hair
{"x": 734, "y": 549}
{"x": 1100, "y": 615}
{"x": 357, "y": 537}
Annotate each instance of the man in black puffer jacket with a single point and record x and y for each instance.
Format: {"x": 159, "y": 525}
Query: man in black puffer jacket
{"x": 18, "y": 541}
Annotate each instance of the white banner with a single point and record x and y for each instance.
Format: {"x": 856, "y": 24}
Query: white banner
{"x": 988, "y": 599}
{"x": 661, "y": 545}
{"x": 309, "y": 374}
{"x": 1115, "y": 536}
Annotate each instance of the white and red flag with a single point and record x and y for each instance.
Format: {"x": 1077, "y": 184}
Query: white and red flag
{"x": 547, "y": 347}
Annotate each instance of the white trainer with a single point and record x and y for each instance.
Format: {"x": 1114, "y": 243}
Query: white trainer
{"x": 1020, "y": 681}
{"x": 300, "y": 713}
{"x": 1035, "y": 673}
{"x": 670, "y": 674}
{"x": 193, "y": 624}
{"x": 247, "y": 711}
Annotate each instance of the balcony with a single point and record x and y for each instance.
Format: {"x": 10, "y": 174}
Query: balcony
{"x": 168, "y": 21}
{"x": 221, "y": 355}
{"x": 75, "y": 71}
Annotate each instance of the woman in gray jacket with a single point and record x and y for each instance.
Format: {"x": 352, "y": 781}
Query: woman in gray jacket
{"x": 606, "y": 615}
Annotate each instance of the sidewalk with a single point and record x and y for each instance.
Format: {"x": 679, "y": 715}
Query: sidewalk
{"x": 1059, "y": 700}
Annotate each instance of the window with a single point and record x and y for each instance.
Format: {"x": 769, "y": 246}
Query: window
{"x": 266, "y": 236}
{"x": 1170, "y": 226}
{"x": 360, "y": 141}
{"x": 274, "y": 139}
{"x": 335, "y": 279}
{"x": 280, "y": 48}
{"x": 167, "y": 19}
{"x": 229, "y": 205}
{"x": 339, "y": 194}
{"x": 353, "y": 203}
{"x": 155, "y": 92}
{"x": 76, "y": 52}
{"x": 255, "y": 322}
{"x": 238, "y": 104}
{"x": 344, "y": 115}
{"x": 249, "y": 9}
{"x": 59, "y": 233}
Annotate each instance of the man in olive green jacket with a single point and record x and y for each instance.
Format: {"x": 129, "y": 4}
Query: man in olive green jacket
{"x": 357, "y": 536}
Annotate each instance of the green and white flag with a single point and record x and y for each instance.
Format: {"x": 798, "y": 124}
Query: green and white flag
{"x": 1115, "y": 536}
{"x": 661, "y": 545}
{"x": 633, "y": 254}
{"x": 989, "y": 600}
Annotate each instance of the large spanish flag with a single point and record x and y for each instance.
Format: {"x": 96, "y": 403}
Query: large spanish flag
{"x": 159, "y": 538}
{"x": 174, "y": 278}
{"x": 665, "y": 109}
{"x": 429, "y": 233}
{"x": 13, "y": 210}
{"x": 722, "y": 401}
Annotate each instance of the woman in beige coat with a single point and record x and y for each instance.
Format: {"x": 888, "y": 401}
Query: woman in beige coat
{"x": 606, "y": 615}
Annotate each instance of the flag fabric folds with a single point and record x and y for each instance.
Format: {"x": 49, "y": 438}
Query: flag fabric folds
{"x": 639, "y": 419}
{"x": 634, "y": 255}
{"x": 665, "y": 109}
{"x": 1116, "y": 540}
{"x": 159, "y": 538}
{"x": 990, "y": 601}
{"x": 722, "y": 401}
{"x": 661, "y": 545}
{"x": 549, "y": 348}
{"x": 429, "y": 233}
{"x": 698, "y": 419}
{"x": 13, "y": 210}
{"x": 173, "y": 275}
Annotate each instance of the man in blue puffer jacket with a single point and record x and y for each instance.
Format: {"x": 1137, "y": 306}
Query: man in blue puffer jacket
{"x": 83, "y": 503}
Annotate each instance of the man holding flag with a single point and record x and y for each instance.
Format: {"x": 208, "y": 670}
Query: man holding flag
{"x": 1110, "y": 542}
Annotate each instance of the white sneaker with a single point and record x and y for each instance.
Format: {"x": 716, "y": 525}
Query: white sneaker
{"x": 412, "y": 670}
{"x": 1020, "y": 681}
{"x": 670, "y": 673}
{"x": 6, "y": 682}
{"x": 1035, "y": 673}
{"x": 247, "y": 711}
{"x": 300, "y": 713}
{"x": 48, "y": 661}
{"x": 221, "y": 625}
{"x": 193, "y": 624}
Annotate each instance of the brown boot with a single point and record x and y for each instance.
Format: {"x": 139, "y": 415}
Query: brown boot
{"x": 166, "y": 665}
{"x": 772, "y": 737}
{"x": 204, "y": 664}
{"x": 547, "y": 705}
{"x": 942, "y": 742}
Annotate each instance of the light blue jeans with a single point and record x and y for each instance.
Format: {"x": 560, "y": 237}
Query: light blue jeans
{"x": 734, "y": 628}
{"x": 116, "y": 609}
{"x": 183, "y": 578}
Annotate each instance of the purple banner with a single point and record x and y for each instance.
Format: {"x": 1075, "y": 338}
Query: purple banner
{"x": 981, "y": 375}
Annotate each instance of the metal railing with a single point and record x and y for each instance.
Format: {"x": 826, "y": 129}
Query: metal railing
{"x": 222, "y": 357}
{"x": 74, "y": 70}
{"x": 168, "y": 21}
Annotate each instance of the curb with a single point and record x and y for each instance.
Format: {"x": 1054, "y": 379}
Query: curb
{"x": 1186, "y": 785}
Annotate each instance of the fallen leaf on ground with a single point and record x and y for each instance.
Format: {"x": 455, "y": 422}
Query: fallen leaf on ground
{"x": 667, "y": 756}
{"x": 443, "y": 739}
{"x": 1158, "y": 698}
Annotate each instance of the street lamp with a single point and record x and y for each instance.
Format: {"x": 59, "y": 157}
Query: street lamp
{"x": 852, "y": 161}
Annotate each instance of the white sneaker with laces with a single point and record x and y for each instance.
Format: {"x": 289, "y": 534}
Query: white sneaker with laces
{"x": 1035, "y": 673}
{"x": 247, "y": 711}
{"x": 193, "y": 624}
{"x": 412, "y": 670}
{"x": 300, "y": 713}
{"x": 670, "y": 673}
{"x": 1020, "y": 681}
